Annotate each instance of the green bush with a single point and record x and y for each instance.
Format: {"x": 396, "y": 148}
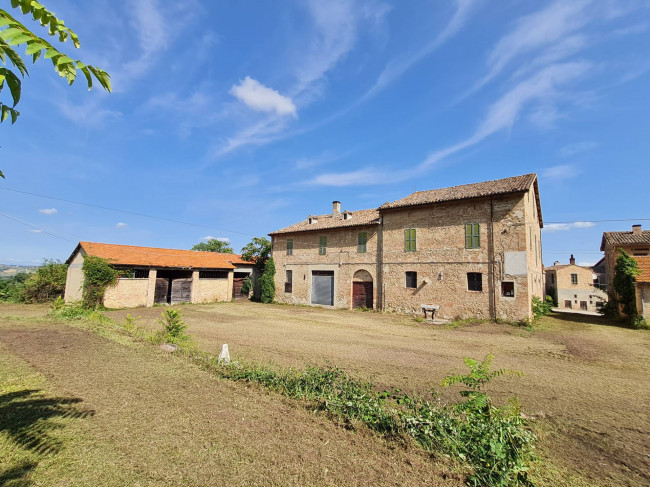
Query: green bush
{"x": 173, "y": 327}
{"x": 98, "y": 276}
{"x": 246, "y": 285}
{"x": 47, "y": 283}
{"x": 11, "y": 288}
{"x": 625, "y": 274}
{"x": 541, "y": 308}
{"x": 267, "y": 282}
{"x": 640, "y": 323}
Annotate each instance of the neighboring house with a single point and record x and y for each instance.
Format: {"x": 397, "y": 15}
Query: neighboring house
{"x": 159, "y": 276}
{"x": 572, "y": 286}
{"x": 474, "y": 250}
{"x": 643, "y": 287}
{"x": 636, "y": 243}
{"x": 600, "y": 273}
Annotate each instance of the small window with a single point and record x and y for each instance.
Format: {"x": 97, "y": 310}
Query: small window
{"x": 574, "y": 278}
{"x": 290, "y": 246}
{"x": 362, "y": 239}
{"x": 472, "y": 236}
{"x": 322, "y": 246}
{"x": 411, "y": 279}
{"x": 213, "y": 274}
{"x": 508, "y": 289}
{"x": 136, "y": 274}
{"x": 409, "y": 240}
{"x": 474, "y": 281}
{"x": 288, "y": 285}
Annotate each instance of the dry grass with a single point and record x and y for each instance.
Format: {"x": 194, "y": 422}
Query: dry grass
{"x": 587, "y": 381}
{"x": 132, "y": 415}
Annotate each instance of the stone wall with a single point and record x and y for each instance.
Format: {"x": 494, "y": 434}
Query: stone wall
{"x": 75, "y": 278}
{"x": 209, "y": 290}
{"x": 127, "y": 293}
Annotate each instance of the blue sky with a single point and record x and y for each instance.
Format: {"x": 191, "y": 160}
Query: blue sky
{"x": 245, "y": 117}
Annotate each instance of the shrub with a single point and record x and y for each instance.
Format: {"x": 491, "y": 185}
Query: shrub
{"x": 246, "y": 285}
{"x": 47, "y": 283}
{"x": 625, "y": 274}
{"x": 267, "y": 282}
{"x": 541, "y": 308}
{"x": 640, "y": 323}
{"x": 173, "y": 326}
{"x": 11, "y": 289}
{"x": 98, "y": 276}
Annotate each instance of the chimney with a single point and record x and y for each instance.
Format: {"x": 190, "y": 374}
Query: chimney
{"x": 572, "y": 260}
{"x": 636, "y": 230}
{"x": 336, "y": 208}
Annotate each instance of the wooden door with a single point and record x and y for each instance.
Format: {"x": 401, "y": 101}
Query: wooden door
{"x": 362, "y": 295}
{"x": 181, "y": 290}
{"x": 162, "y": 286}
{"x": 237, "y": 283}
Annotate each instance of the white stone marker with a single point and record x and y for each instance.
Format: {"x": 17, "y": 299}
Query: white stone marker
{"x": 224, "y": 356}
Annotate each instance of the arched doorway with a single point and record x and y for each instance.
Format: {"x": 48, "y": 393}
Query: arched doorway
{"x": 362, "y": 289}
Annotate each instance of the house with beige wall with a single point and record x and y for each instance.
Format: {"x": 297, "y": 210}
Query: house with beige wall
{"x": 643, "y": 287}
{"x": 572, "y": 286}
{"x": 158, "y": 276}
{"x": 635, "y": 243}
{"x": 473, "y": 250}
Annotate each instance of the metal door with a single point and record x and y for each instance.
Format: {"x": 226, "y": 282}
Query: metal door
{"x": 322, "y": 287}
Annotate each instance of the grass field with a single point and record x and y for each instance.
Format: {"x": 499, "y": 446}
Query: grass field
{"x": 143, "y": 417}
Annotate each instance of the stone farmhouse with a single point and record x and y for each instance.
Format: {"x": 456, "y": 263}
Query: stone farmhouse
{"x": 637, "y": 244}
{"x": 473, "y": 250}
{"x": 572, "y": 286}
{"x": 159, "y": 276}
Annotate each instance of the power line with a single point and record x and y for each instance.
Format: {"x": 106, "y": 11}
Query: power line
{"x": 40, "y": 230}
{"x": 602, "y": 221}
{"x": 128, "y": 212}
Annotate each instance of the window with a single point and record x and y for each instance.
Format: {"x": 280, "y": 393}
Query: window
{"x": 136, "y": 274}
{"x": 409, "y": 240}
{"x": 412, "y": 280}
{"x": 288, "y": 285}
{"x": 322, "y": 246}
{"x": 213, "y": 274}
{"x": 574, "y": 278}
{"x": 362, "y": 239}
{"x": 290, "y": 246}
{"x": 472, "y": 236}
{"x": 508, "y": 289}
{"x": 474, "y": 281}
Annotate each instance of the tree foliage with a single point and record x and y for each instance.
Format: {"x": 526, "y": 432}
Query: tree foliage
{"x": 258, "y": 250}
{"x": 625, "y": 273}
{"x": 11, "y": 288}
{"x": 13, "y": 34}
{"x": 98, "y": 276}
{"x": 214, "y": 245}
{"x": 267, "y": 282}
{"x": 47, "y": 283}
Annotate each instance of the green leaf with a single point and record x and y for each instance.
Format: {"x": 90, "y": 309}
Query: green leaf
{"x": 2, "y": 175}
{"x": 33, "y": 47}
{"x": 5, "y": 113}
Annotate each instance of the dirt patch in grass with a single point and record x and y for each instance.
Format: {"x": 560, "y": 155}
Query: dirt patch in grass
{"x": 158, "y": 420}
{"x": 590, "y": 381}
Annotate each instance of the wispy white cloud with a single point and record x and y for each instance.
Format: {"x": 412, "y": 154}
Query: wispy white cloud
{"x": 48, "y": 211}
{"x": 562, "y": 227}
{"x": 210, "y": 237}
{"x": 36, "y": 231}
{"x": 121, "y": 225}
{"x": 396, "y": 68}
{"x": 561, "y": 172}
{"x": 262, "y": 98}
{"x": 578, "y": 147}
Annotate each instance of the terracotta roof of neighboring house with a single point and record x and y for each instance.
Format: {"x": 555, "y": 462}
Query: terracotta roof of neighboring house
{"x": 644, "y": 267}
{"x": 625, "y": 238}
{"x": 322, "y": 222}
{"x": 514, "y": 184}
{"x": 155, "y": 257}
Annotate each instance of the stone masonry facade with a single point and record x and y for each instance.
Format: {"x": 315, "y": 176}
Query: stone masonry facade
{"x": 472, "y": 250}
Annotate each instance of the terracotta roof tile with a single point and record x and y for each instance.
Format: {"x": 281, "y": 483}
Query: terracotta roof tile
{"x": 625, "y": 238}
{"x": 644, "y": 267}
{"x": 322, "y": 222}
{"x": 514, "y": 184}
{"x": 155, "y": 257}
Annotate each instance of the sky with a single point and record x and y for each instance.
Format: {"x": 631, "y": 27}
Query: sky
{"x": 230, "y": 120}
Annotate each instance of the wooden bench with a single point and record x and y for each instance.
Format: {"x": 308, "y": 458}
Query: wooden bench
{"x": 429, "y": 308}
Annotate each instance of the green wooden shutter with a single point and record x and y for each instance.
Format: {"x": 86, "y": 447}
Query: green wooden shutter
{"x": 409, "y": 240}
{"x": 362, "y": 239}
{"x": 322, "y": 246}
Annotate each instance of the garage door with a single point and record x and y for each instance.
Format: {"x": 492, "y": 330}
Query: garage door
{"x": 322, "y": 287}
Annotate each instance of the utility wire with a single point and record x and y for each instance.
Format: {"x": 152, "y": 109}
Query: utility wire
{"x": 40, "y": 230}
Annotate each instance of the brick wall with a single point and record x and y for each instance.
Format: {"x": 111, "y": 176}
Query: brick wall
{"x": 127, "y": 293}
{"x": 209, "y": 290}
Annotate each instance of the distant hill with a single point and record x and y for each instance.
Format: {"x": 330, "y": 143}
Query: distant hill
{"x": 11, "y": 270}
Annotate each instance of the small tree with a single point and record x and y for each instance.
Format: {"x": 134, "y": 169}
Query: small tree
{"x": 267, "y": 282}
{"x": 625, "y": 274}
{"x": 47, "y": 283}
{"x": 98, "y": 276}
{"x": 214, "y": 245}
{"x": 257, "y": 250}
